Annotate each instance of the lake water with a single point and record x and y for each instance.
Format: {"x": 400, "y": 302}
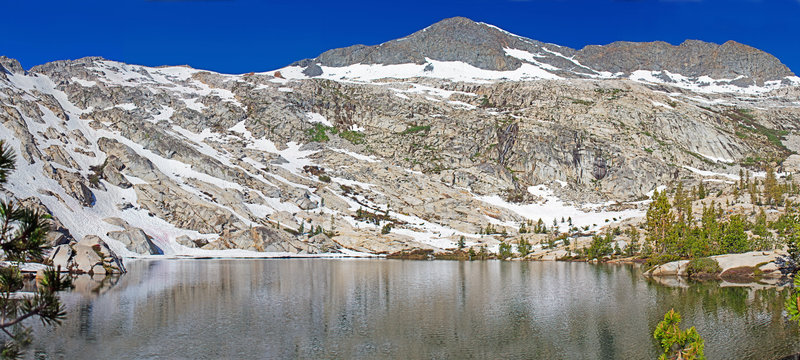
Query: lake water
{"x": 366, "y": 309}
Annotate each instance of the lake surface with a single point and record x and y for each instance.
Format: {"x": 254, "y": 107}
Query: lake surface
{"x": 356, "y": 308}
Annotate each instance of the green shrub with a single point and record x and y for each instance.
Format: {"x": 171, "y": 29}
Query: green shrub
{"x": 702, "y": 266}
{"x": 317, "y": 133}
{"x": 505, "y": 250}
{"x": 676, "y": 343}
{"x": 524, "y": 247}
{"x": 416, "y": 129}
{"x": 353, "y": 137}
{"x": 324, "y": 178}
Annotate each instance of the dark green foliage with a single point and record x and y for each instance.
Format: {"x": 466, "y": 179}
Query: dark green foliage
{"x": 540, "y": 227}
{"x": 702, "y": 266}
{"x": 760, "y": 226}
{"x": 600, "y": 246}
{"x": 387, "y": 228}
{"x": 96, "y": 173}
{"x": 7, "y": 159}
{"x": 461, "y": 242}
{"x": 633, "y": 243}
{"x": 734, "y": 239}
{"x": 318, "y": 133}
{"x": 324, "y": 178}
{"x": 746, "y": 121}
{"x": 524, "y": 247}
{"x": 677, "y": 343}
{"x": 370, "y": 217}
{"x": 505, "y": 250}
{"x": 22, "y": 238}
{"x": 672, "y": 229}
{"x": 22, "y": 232}
{"x": 416, "y": 129}
{"x": 353, "y": 137}
{"x": 485, "y": 103}
{"x": 792, "y": 304}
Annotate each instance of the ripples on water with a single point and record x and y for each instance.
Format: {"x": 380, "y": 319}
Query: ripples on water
{"x": 317, "y": 308}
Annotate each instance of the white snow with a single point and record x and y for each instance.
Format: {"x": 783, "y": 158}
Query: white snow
{"x": 702, "y": 84}
{"x": 711, "y": 173}
{"x": 357, "y": 128}
{"x": 358, "y": 156}
{"x": 555, "y": 208}
{"x": 716, "y": 159}
{"x": 447, "y": 70}
{"x": 656, "y": 103}
{"x": 313, "y": 117}
{"x": 84, "y": 83}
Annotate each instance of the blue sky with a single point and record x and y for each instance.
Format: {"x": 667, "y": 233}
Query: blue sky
{"x": 238, "y": 36}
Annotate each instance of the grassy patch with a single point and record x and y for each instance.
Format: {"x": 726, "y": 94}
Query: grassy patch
{"x": 415, "y": 129}
{"x": 318, "y": 133}
{"x": 746, "y": 121}
{"x": 582, "y": 102}
{"x": 353, "y": 137}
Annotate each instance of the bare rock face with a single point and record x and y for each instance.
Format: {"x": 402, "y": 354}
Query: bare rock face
{"x": 58, "y": 234}
{"x": 312, "y": 70}
{"x": 136, "y": 240}
{"x": 692, "y": 58}
{"x": 11, "y": 66}
{"x": 268, "y": 239}
{"x": 600, "y": 168}
{"x": 90, "y": 256}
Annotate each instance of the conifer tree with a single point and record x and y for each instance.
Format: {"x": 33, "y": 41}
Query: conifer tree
{"x": 22, "y": 238}
{"x": 772, "y": 191}
{"x": 659, "y": 220}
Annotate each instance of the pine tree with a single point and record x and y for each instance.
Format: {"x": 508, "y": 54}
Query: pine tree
{"x": 773, "y": 193}
{"x": 659, "y": 220}
{"x": 524, "y": 247}
{"x": 701, "y": 191}
{"x": 677, "y": 343}
{"x": 22, "y": 238}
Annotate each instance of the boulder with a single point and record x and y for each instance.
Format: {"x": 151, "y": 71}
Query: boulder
{"x": 91, "y": 256}
{"x": 192, "y": 243}
{"x": 61, "y": 255}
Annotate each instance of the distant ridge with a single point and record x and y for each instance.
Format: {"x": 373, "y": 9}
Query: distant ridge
{"x": 486, "y": 47}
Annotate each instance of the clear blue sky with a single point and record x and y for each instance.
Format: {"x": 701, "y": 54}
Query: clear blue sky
{"x": 238, "y": 36}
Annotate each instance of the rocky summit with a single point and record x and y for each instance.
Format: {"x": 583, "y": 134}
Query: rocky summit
{"x": 458, "y": 130}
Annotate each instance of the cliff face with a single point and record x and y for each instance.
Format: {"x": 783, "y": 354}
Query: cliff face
{"x": 175, "y": 160}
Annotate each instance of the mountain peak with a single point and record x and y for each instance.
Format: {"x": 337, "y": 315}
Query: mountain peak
{"x": 486, "y": 47}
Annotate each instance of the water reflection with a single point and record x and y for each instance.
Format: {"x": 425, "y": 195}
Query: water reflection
{"x": 404, "y": 309}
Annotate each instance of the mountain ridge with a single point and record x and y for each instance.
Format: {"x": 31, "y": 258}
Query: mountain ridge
{"x": 482, "y": 45}
{"x": 181, "y": 161}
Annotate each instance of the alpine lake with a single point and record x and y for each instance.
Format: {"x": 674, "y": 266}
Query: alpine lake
{"x": 403, "y": 309}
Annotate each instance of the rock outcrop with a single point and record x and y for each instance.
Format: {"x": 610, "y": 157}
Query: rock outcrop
{"x": 90, "y": 256}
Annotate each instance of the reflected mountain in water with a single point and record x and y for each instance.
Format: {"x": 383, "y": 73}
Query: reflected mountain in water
{"x": 405, "y": 309}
